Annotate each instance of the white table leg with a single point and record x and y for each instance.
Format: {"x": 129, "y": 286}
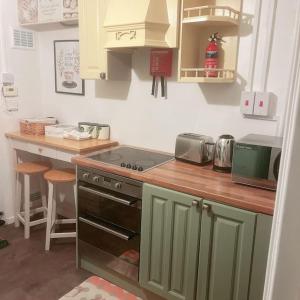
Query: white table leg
{"x": 18, "y": 199}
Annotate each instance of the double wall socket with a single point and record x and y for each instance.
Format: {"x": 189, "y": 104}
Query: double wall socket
{"x": 256, "y": 104}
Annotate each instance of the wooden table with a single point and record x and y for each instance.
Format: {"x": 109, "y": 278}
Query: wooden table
{"x": 56, "y": 148}
{"x": 53, "y": 148}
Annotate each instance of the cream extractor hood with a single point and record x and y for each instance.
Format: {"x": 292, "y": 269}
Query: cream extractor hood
{"x": 141, "y": 23}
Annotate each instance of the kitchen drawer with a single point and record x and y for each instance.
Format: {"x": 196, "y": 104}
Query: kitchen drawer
{"x": 19, "y": 145}
{"x": 42, "y": 150}
{"x": 65, "y": 156}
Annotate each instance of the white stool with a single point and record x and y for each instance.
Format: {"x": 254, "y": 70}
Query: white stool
{"x": 29, "y": 169}
{"x": 55, "y": 177}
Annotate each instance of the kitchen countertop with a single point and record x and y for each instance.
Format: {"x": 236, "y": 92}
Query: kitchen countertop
{"x": 200, "y": 181}
{"x": 78, "y": 147}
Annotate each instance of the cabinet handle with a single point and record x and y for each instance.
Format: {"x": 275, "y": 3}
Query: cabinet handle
{"x": 195, "y": 203}
{"x": 206, "y": 208}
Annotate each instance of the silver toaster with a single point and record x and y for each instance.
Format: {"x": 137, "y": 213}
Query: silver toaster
{"x": 194, "y": 148}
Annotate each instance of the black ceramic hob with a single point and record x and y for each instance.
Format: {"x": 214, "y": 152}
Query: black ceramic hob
{"x": 132, "y": 158}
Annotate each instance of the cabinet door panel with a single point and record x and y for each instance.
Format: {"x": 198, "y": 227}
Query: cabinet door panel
{"x": 184, "y": 236}
{"x": 169, "y": 244}
{"x": 93, "y": 57}
{"x": 158, "y": 236}
{"x": 225, "y": 253}
{"x": 153, "y": 242}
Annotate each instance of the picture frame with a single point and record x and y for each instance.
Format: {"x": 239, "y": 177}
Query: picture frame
{"x": 67, "y": 68}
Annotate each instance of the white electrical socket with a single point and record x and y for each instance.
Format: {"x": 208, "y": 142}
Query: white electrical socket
{"x": 247, "y": 103}
{"x": 262, "y": 104}
{"x": 9, "y": 91}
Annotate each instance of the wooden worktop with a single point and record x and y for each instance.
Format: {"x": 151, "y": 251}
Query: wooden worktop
{"x": 78, "y": 147}
{"x": 195, "y": 180}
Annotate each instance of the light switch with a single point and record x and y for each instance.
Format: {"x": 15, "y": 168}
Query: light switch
{"x": 262, "y": 104}
{"x": 247, "y": 103}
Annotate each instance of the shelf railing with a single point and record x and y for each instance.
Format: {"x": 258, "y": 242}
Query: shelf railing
{"x": 211, "y": 11}
{"x": 206, "y": 74}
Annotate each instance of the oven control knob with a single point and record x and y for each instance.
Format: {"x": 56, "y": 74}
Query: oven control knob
{"x": 134, "y": 167}
{"x": 141, "y": 169}
{"x": 118, "y": 185}
{"x": 123, "y": 165}
{"x": 128, "y": 166}
{"x": 96, "y": 179}
{"x": 86, "y": 175}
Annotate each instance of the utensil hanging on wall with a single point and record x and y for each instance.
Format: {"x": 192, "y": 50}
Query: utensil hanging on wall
{"x": 160, "y": 66}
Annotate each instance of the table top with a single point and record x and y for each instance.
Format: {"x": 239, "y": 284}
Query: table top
{"x": 77, "y": 147}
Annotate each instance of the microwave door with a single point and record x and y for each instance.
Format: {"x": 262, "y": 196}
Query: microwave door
{"x": 252, "y": 161}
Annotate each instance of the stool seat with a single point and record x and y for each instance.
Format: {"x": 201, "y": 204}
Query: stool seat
{"x": 31, "y": 168}
{"x": 60, "y": 176}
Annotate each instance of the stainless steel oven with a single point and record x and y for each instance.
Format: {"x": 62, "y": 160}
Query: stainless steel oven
{"x": 109, "y": 219}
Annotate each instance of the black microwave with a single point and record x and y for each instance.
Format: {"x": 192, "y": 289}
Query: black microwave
{"x": 256, "y": 161}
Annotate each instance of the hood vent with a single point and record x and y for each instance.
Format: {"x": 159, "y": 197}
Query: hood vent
{"x": 141, "y": 23}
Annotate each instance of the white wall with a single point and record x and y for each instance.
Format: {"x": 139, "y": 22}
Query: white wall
{"x": 136, "y": 117}
{"x": 283, "y": 272}
{"x": 25, "y": 66}
{"x": 139, "y": 119}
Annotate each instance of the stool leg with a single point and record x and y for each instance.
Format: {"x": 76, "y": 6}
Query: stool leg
{"x": 75, "y": 197}
{"x": 54, "y": 210}
{"x": 18, "y": 199}
{"x": 27, "y": 205}
{"x": 43, "y": 195}
{"x": 49, "y": 215}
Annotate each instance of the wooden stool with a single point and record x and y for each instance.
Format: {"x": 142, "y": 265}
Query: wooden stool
{"x": 55, "y": 177}
{"x": 29, "y": 169}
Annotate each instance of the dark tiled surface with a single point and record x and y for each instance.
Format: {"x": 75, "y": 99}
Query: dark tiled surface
{"x": 27, "y": 272}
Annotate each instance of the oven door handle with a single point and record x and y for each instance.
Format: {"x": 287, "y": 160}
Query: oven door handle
{"x": 107, "y": 196}
{"x": 106, "y": 229}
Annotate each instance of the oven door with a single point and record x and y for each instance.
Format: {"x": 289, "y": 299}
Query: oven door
{"x": 110, "y": 222}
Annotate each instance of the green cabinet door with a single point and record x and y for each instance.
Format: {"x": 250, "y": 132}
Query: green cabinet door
{"x": 169, "y": 243}
{"x": 225, "y": 255}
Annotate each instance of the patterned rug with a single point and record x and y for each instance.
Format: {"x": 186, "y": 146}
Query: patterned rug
{"x": 96, "y": 288}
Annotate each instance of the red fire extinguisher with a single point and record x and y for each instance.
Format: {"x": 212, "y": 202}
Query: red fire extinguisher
{"x": 212, "y": 54}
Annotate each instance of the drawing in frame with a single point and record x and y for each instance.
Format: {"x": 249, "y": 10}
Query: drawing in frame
{"x": 67, "y": 68}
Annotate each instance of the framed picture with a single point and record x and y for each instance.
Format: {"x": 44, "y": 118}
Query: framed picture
{"x": 67, "y": 68}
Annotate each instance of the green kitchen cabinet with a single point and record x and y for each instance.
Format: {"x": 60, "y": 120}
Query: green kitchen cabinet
{"x": 260, "y": 256}
{"x": 194, "y": 249}
{"x": 225, "y": 254}
{"x": 169, "y": 243}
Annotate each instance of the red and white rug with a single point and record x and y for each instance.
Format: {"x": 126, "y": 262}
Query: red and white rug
{"x": 96, "y": 288}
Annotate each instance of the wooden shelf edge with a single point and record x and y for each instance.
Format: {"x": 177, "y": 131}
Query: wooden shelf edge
{"x": 205, "y": 80}
{"x": 211, "y": 20}
{"x": 51, "y": 25}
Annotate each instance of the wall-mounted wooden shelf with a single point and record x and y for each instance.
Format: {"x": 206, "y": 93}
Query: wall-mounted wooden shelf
{"x": 200, "y": 75}
{"x": 199, "y": 20}
{"x": 211, "y": 15}
{"x": 47, "y": 14}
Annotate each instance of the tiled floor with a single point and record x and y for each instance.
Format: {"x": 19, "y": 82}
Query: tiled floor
{"x": 27, "y": 272}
